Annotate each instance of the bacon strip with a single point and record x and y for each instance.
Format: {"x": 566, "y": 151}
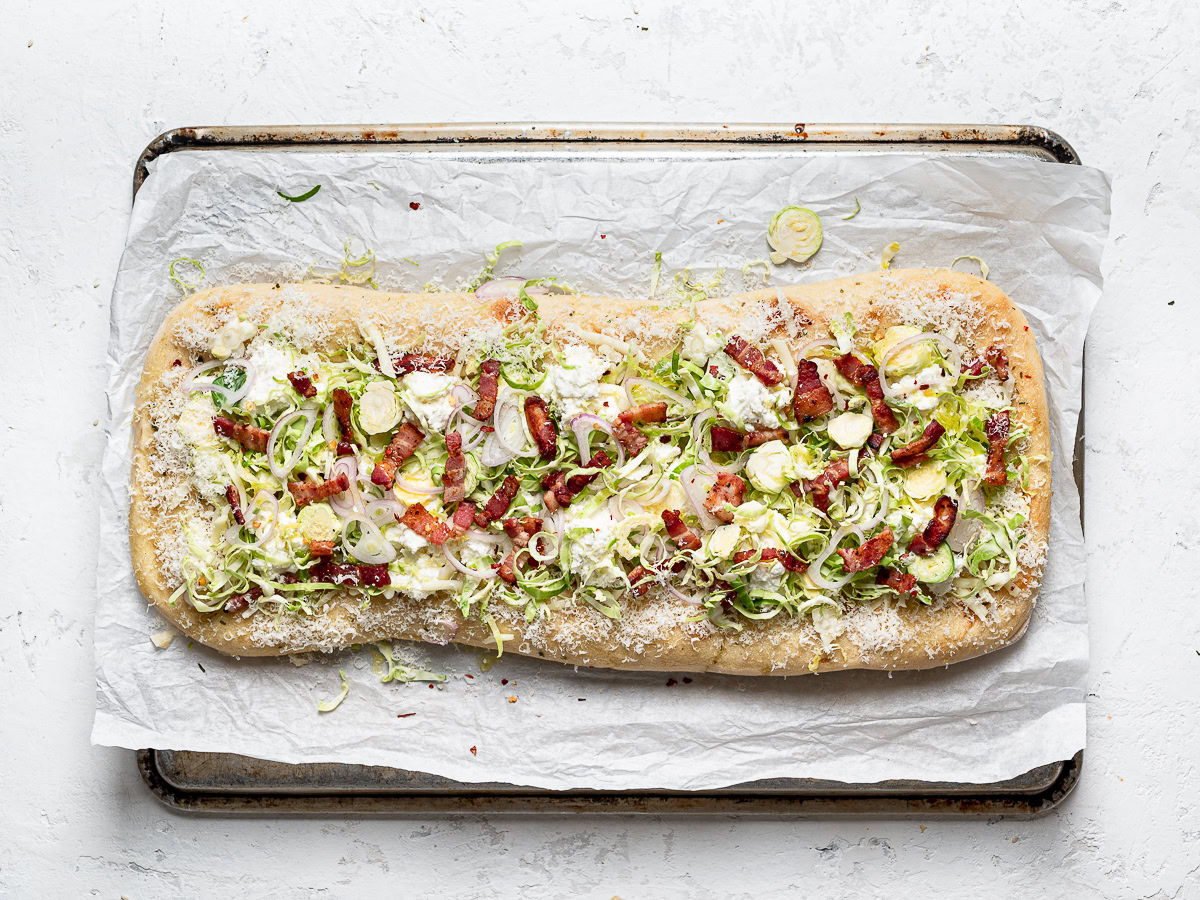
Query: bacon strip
{"x": 647, "y": 412}
{"x": 520, "y": 531}
{"x": 728, "y": 490}
{"x": 235, "y": 503}
{"x": 352, "y": 575}
{"x": 914, "y": 451}
{"x": 812, "y": 398}
{"x": 900, "y": 582}
{"x": 866, "y": 376}
{"x": 302, "y": 384}
{"x": 732, "y": 440}
{"x": 678, "y": 531}
{"x": 560, "y": 490}
{"x": 751, "y": 358}
{"x": 306, "y": 492}
{"x": 489, "y": 385}
{"x": 423, "y": 522}
{"x": 238, "y": 602}
{"x": 320, "y": 548}
{"x": 875, "y": 440}
{"x": 249, "y": 436}
{"x": 499, "y": 503}
{"x": 342, "y": 404}
{"x": 727, "y": 439}
{"x": 417, "y": 362}
{"x": 820, "y": 487}
{"x": 945, "y": 511}
{"x": 455, "y": 474}
{"x": 998, "y": 360}
{"x": 630, "y": 437}
{"x": 868, "y": 554}
{"x": 790, "y": 561}
{"x": 403, "y": 444}
{"x": 637, "y": 580}
{"x": 997, "y": 434}
{"x": 541, "y": 426}
{"x": 973, "y": 369}
{"x": 463, "y": 516}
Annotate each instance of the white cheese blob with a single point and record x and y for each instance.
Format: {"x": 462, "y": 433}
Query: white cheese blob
{"x": 699, "y": 344}
{"x": 195, "y": 424}
{"x": 427, "y": 394}
{"x": 750, "y": 404}
{"x": 770, "y": 467}
{"x": 573, "y": 387}
{"x": 421, "y": 574}
{"x": 230, "y": 337}
{"x": 592, "y": 536}
{"x": 850, "y": 429}
{"x": 923, "y": 389}
{"x": 379, "y": 409}
{"x": 272, "y": 390}
{"x": 767, "y": 576}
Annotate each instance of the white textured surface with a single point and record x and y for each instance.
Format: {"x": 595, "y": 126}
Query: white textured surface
{"x": 99, "y": 81}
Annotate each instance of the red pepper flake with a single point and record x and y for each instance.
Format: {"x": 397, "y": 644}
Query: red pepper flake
{"x": 686, "y": 680}
{"x": 469, "y": 675}
{"x": 1026, "y": 376}
{"x": 1026, "y": 327}
{"x": 177, "y": 363}
{"x": 719, "y": 221}
{"x": 603, "y": 236}
{"x": 404, "y": 715}
{"x": 414, "y": 205}
{"x": 474, "y": 751}
{"x": 504, "y": 681}
{"x": 431, "y": 687}
{"x": 671, "y": 682}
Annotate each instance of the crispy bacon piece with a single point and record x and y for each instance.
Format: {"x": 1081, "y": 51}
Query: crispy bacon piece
{"x": 499, "y": 502}
{"x": 812, "y": 398}
{"x": 463, "y": 516}
{"x": 424, "y": 523}
{"x": 306, "y": 492}
{"x": 997, "y": 434}
{"x": 868, "y": 554}
{"x": 249, "y": 436}
{"x": 637, "y": 580}
{"x": 914, "y": 451}
{"x": 752, "y": 360}
{"x": 866, "y": 376}
{"x": 734, "y": 441}
{"x": 239, "y": 602}
{"x": 302, "y": 383}
{"x": 630, "y": 438}
{"x": 875, "y": 440}
{"x": 350, "y": 575}
{"x": 541, "y": 426}
{"x": 900, "y": 582}
{"x": 403, "y": 444}
{"x": 727, "y": 439}
{"x": 974, "y": 369}
{"x": 678, "y": 531}
{"x": 790, "y": 561}
{"x": 235, "y": 503}
{"x": 489, "y": 385}
{"x": 998, "y": 360}
{"x": 819, "y": 488}
{"x": 455, "y": 474}
{"x": 417, "y": 362}
{"x": 560, "y": 490}
{"x": 728, "y": 490}
{"x": 647, "y": 412}
{"x": 342, "y": 404}
{"x": 945, "y": 511}
{"x": 320, "y": 548}
{"x": 508, "y": 568}
{"x": 521, "y": 530}
{"x": 599, "y": 460}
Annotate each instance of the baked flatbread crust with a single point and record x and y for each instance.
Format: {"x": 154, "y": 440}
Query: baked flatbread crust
{"x": 652, "y": 633}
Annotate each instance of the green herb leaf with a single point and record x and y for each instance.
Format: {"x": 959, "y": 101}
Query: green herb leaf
{"x": 302, "y": 197}
{"x": 231, "y": 379}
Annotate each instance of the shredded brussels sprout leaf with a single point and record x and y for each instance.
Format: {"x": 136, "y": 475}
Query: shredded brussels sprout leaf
{"x": 330, "y": 705}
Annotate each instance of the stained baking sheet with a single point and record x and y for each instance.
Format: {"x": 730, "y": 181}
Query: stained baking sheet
{"x": 857, "y": 727}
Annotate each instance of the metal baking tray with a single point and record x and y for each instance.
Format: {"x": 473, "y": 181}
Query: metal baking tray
{"x": 227, "y": 784}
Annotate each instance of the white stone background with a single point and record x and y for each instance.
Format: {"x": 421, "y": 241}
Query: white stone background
{"x": 84, "y": 86}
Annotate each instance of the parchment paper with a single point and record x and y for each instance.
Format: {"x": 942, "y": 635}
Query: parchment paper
{"x": 596, "y": 220}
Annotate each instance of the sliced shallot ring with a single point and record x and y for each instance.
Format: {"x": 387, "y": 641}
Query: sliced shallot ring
{"x": 814, "y": 567}
{"x": 633, "y": 381}
{"x": 282, "y": 470}
{"x": 459, "y": 566}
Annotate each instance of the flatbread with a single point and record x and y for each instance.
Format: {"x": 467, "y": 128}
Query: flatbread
{"x": 652, "y": 633}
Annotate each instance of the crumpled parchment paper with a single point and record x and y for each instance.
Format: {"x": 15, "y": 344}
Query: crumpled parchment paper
{"x": 595, "y": 218}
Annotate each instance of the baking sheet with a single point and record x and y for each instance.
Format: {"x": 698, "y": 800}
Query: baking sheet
{"x": 1041, "y": 228}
